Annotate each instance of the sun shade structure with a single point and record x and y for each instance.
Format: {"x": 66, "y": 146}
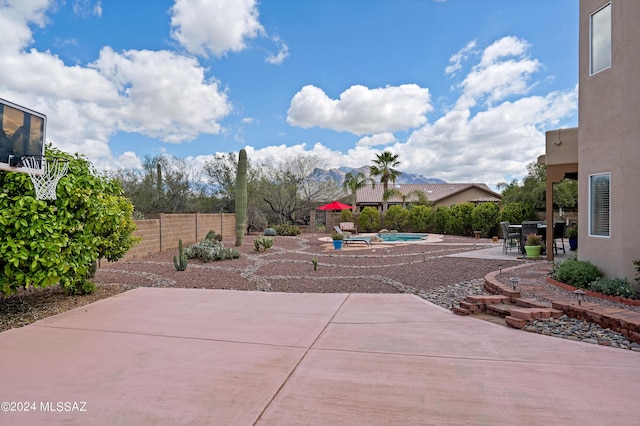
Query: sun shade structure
{"x": 335, "y": 205}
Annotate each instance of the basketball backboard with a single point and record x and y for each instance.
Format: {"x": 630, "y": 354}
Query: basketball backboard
{"x": 22, "y": 133}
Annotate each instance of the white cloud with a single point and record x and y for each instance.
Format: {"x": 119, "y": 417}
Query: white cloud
{"x": 376, "y": 140}
{"x": 283, "y": 52}
{"x": 163, "y": 95}
{"x": 215, "y": 26}
{"x": 154, "y": 93}
{"x": 85, "y": 8}
{"x": 361, "y": 110}
{"x": 456, "y": 59}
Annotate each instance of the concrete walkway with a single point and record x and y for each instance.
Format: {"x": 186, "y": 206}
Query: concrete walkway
{"x": 202, "y": 357}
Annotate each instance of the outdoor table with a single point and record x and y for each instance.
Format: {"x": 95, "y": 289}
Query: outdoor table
{"x": 542, "y": 231}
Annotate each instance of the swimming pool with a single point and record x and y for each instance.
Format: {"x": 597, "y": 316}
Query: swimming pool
{"x": 400, "y": 236}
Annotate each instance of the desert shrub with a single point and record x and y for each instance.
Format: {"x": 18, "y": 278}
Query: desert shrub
{"x": 369, "y": 219}
{"x": 346, "y": 216}
{"x": 637, "y": 264}
{"x": 439, "y": 219}
{"x": 270, "y": 232}
{"x": 396, "y": 217}
{"x": 210, "y": 250}
{"x": 614, "y": 287}
{"x": 578, "y": 273}
{"x": 516, "y": 213}
{"x": 287, "y": 230}
{"x": 484, "y": 217}
{"x": 211, "y": 235}
{"x": 420, "y": 217}
{"x": 459, "y": 221}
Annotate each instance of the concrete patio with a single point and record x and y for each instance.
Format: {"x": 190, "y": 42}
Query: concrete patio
{"x": 190, "y": 356}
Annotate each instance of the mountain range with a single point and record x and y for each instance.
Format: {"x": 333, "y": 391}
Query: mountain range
{"x": 337, "y": 174}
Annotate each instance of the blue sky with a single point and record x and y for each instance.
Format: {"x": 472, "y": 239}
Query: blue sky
{"x": 461, "y": 90}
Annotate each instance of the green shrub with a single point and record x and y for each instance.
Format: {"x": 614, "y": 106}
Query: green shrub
{"x": 420, "y": 218}
{"x": 614, "y": 287}
{"x": 210, "y": 250}
{"x": 517, "y": 213}
{"x": 396, "y": 217}
{"x": 369, "y": 219}
{"x": 439, "y": 219}
{"x": 270, "y": 232}
{"x": 459, "y": 221}
{"x": 287, "y": 230}
{"x": 578, "y": 273}
{"x": 49, "y": 242}
{"x": 637, "y": 263}
{"x": 346, "y": 216}
{"x": 484, "y": 217}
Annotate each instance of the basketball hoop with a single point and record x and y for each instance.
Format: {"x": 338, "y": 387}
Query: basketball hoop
{"x": 45, "y": 183}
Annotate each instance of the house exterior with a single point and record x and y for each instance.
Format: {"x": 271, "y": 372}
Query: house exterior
{"x": 604, "y": 151}
{"x": 440, "y": 194}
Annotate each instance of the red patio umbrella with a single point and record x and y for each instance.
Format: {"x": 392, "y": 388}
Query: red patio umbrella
{"x": 335, "y": 205}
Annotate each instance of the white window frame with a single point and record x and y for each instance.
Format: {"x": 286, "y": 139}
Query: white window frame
{"x": 593, "y": 71}
{"x": 592, "y": 233}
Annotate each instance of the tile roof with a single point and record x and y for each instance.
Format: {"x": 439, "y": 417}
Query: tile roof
{"x": 434, "y": 191}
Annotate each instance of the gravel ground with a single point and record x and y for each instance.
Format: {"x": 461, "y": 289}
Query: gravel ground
{"x": 287, "y": 267}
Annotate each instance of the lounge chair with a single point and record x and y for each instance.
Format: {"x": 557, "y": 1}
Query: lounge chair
{"x": 351, "y": 239}
{"x": 349, "y": 226}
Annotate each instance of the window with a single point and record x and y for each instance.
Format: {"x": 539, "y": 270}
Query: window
{"x": 601, "y": 39}
{"x": 599, "y": 204}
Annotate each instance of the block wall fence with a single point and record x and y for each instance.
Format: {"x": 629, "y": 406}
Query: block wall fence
{"x": 163, "y": 231}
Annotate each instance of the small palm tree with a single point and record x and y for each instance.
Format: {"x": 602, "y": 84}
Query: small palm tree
{"x": 354, "y": 181}
{"x": 383, "y": 167}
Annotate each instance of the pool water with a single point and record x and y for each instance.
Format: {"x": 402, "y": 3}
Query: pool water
{"x": 413, "y": 236}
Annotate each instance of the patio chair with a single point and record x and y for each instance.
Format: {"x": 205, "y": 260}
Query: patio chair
{"x": 511, "y": 239}
{"x": 558, "y": 233}
{"x": 349, "y": 226}
{"x": 351, "y": 239}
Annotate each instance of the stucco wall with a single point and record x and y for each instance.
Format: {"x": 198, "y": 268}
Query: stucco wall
{"x": 609, "y": 138}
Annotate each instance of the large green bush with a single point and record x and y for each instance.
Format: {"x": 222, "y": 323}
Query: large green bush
{"x": 484, "y": 217}
{"x": 578, "y": 273}
{"x": 459, "y": 221}
{"x": 420, "y": 218}
{"x": 49, "y": 242}
{"x": 517, "y": 212}
{"x": 396, "y": 217}
{"x": 369, "y": 219}
{"x": 439, "y": 219}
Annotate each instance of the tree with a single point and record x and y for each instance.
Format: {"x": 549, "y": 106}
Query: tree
{"x": 165, "y": 184}
{"x": 290, "y": 189}
{"x": 532, "y": 191}
{"x": 45, "y": 243}
{"x": 383, "y": 168}
{"x": 354, "y": 181}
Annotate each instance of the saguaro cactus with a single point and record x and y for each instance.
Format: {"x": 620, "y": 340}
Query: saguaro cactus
{"x": 180, "y": 261}
{"x": 241, "y": 197}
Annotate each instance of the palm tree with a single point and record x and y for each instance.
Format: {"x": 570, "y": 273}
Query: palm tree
{"x": 383, "y": 167}
{"x": 354, "y": 181}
